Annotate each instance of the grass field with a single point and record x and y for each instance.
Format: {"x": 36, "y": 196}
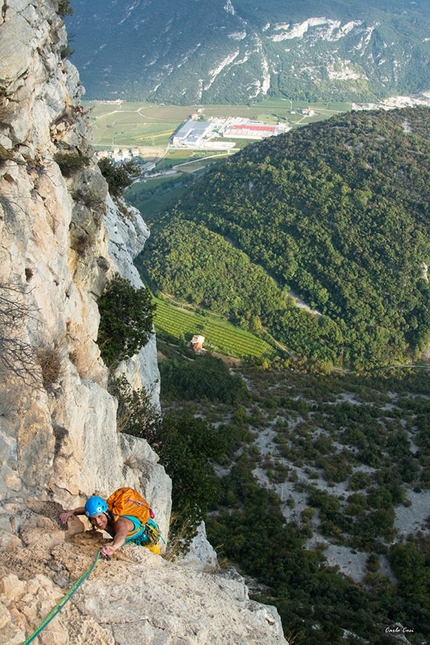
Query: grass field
{"x": 133, "y": 124}
{"x": 189, "y": 160}
{"x": 220, "y": 336}
{"x": 149, "y": 202}
{"x": 154, "y": 193}
{"x": 150, "y": 126}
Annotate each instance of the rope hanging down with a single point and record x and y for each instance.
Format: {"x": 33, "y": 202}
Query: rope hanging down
{"x": 59, "y": 606}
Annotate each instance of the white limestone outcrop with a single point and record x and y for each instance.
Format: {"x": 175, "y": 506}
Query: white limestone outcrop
{"x": 200, "y": 554}
{"x": 58, "y": 430}
{"x": 127, "y": 237}
{"x": 135, "y": 598}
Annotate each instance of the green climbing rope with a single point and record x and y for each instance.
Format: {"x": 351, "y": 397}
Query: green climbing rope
{"x": 59, "y": 606}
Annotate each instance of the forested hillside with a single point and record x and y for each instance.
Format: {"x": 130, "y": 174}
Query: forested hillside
{"x": 322, "y": 491}
{"x": 337, "y": 212}
{"x": 234, "y": 51}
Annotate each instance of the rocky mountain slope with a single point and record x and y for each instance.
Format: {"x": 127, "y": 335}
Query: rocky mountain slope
{"x": 61, "y": 239}
{"x": 233, "y": 51}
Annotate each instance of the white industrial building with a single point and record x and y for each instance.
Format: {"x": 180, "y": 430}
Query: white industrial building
{"x": 191, "y": 134}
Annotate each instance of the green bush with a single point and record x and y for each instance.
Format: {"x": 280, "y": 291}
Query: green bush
{"x": 70, "y": 162}
{"x": 126, "y": 316}
{"x": 64, "y": 8}
{"x": 66, "y": 52}
{"x": 136, "y": 414}
{"x": 117, "y": 177}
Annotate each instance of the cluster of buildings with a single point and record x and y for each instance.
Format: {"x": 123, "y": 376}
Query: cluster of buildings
{"x": 119, "y": 155}
{"x": 201, "y": 134}
{"x": 214, "y": 134}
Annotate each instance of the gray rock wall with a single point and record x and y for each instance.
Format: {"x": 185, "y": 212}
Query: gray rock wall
{"x": 135, "y": 598}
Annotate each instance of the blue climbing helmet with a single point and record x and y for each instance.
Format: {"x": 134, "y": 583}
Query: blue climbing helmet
{"x": 95, "y": 505}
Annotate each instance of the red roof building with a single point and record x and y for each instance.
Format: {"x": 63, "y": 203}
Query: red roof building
{"x": 249, "y": 131}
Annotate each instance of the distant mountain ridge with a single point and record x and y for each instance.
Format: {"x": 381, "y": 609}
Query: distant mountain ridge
{"x": 234, "y": 51}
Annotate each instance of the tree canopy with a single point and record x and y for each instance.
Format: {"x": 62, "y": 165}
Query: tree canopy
{"x": 125, "y": 320}
{"x": 338, "y": 213}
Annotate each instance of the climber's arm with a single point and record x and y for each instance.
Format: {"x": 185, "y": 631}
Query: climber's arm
{"x": 64, "y": 517}
{"x": 121, "y": 527}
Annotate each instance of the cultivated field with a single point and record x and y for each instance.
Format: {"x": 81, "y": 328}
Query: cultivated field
{"x": 149, "y": 126}
{"x": 220, "y": 336}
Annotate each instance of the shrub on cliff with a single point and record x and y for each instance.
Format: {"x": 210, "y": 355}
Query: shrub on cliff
{"x": 64, "y": 8}
{"x": 126, "y": 316}
{"x": 70, "y": 162}
{"x": 16, "y": 353}
{"x": 117, "y": 177}
{"x": 136, "y": 414}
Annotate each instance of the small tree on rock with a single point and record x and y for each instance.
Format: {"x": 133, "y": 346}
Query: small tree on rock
{"x": 64, "y": 8}
{"x": 117, "y": 177}
{"x": 126, "y": 316}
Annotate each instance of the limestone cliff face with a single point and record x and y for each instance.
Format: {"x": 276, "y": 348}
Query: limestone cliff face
{"x": 61, "y": 237}
{"x": 59, "y": 422}
{"x": 135, "y": 599}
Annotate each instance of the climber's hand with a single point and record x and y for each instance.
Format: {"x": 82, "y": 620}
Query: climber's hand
{"x": 107, "y": 552}
{"x": 64, "y": 517}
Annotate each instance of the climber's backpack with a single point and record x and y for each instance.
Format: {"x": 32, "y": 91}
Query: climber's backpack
{"x": 127, "y": 501}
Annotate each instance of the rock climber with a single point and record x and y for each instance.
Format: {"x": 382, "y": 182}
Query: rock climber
{"x": 123, "y": 529}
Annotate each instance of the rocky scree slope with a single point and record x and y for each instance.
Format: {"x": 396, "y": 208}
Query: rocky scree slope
{"x": 58, "y": 437}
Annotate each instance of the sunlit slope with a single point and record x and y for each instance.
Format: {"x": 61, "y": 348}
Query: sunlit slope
{"x": 337, "y": 212}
